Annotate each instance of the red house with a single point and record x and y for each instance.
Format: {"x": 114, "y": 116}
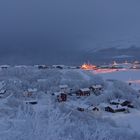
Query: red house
{"x": 83, "y": 92}
{"x": 61, "y": 97}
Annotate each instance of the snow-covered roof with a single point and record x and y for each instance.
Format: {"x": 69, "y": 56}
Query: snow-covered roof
{"x": 2, "y": 91}
{"x": 4, "y": 66}
{"x": 32, "y": 89}
{"x": 30, "y": 101}
{"x": 119, "y": 101}
{"x": 116, "y": 107}
{"x": 63, "y": 86}
{"x": 85, "y": 89}
{"x": 57, "y": 93}
{"x": 96, "y": 86}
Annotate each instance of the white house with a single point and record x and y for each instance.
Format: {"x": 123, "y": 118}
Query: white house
{"x": 63, "y": 88}
{"x": 116, "y": 108}
{"x": 31, "y": 92}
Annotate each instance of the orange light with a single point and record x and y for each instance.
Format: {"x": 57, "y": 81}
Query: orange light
{"x": 88, "y": 67}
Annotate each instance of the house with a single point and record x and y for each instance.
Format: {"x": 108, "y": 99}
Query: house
{"x": 4, "y": 66}
{"x": 117, "y": 101}
{"x": 116, "y": 108}
{"x": 96, "y": 88}
{"x": 85, "y": 107}
{"x": 32, "y": 102}
{"x": 31, "y": 92}
{"x": 83, "y": 92}
{"x": 121, "y": 102}
{"x": 59, "y": 66}
{"x": 61, "y": 96}
{"x": 64, "y": 88}
{"x": 42, "y": 67}
{"x": 2, "y": 91}
{"x": 82, "y": 107}
{"x": 93, "y": 108}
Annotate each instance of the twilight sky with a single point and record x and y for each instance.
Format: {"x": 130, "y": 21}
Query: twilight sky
{"x": 63, "y": 31}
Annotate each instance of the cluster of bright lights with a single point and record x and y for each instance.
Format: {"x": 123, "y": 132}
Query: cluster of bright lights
{"x": 88, "y": 67}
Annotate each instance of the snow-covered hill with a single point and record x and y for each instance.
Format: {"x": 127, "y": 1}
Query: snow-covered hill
{"x": 109, "y": 54}
{"x": 51, "y": 120}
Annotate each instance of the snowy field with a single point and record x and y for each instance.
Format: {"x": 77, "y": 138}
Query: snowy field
{"x": 53, "y": 120}
{"x": 129, "y": 76}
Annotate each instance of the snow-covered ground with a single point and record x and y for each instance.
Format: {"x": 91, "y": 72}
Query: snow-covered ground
{"x": 126, "y": 75}
{"x": 51, "y": 120}
{"x": 130, "y": 120}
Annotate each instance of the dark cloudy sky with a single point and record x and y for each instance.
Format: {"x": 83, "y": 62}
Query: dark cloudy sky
{"x": 58, "y": 31}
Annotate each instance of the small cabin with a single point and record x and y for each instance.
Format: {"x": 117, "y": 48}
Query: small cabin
{"x": 3, "y": 91}
{"x": 82, "y": 107}
{"x": 58, "y": 66}
{"x": 4, "y": 66}
{"x": 116, "y": 108}
{"x": 96, "y": 88}
{"x": 64, "y": 88}
{"x": 32, "y": 102}
{"x": 61, "y": 96}
{"x": 93, "y": 108}
{"x": 42, "y": 67}
{"x": 121, "y": 102}
{"x": 31, "y": 92}
{"x": 83, "y": 92}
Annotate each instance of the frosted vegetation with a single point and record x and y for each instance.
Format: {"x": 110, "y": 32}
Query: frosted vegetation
{"x": 49, "y": 120}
